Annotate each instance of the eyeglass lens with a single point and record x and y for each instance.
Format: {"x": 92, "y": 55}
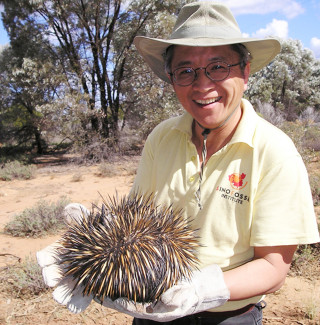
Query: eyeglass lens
{"x": 216, "y": 71}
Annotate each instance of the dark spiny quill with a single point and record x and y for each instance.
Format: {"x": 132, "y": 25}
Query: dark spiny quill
{"x": 129, "y": 248}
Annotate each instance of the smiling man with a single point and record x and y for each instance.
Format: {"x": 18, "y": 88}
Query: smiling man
{"x": 239, "y": 178}
{"x": 210, "y": 101}
{"x": 229, "y": 169}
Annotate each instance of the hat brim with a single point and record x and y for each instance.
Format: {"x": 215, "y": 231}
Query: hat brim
{"x": 152, "y": 49}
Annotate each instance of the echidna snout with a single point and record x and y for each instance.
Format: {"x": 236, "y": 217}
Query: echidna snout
{"x": 129, "y": 248}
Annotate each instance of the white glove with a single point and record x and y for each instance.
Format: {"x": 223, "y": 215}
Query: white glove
{"x": 205, "y": 290}
{"x": 52, "y": 271}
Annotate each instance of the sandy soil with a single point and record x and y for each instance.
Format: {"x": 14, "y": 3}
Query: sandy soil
{"x": 298, "y": 298}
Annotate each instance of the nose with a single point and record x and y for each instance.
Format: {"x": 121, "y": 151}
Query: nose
{"x": 202, "y": 82}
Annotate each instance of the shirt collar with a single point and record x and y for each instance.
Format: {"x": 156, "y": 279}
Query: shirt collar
{"x": 244, "y": 132}
{"x": 184, "y": 124}
{"x": 247, "y": 125}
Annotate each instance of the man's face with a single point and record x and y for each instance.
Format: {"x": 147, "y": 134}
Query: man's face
{"x": 210, "y": 102}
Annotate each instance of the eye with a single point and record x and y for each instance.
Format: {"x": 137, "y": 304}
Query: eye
{"x": 217, "y": 67}
{"x": 183, "y": 72}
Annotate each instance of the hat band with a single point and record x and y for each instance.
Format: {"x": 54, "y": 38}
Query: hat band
{"x": 206, "y": 32}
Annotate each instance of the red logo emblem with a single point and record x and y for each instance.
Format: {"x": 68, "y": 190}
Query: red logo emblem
{"x": 236, "y": 181}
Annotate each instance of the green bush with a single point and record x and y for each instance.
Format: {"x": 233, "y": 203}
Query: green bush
{"x": 23, "y": 279}
{"x": 43, "y": 219}
{"x": 16, "y": 170}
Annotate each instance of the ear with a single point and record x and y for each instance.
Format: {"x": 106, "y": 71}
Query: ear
{"x": 246, "y": 74}
{"x": 170, "y": 78}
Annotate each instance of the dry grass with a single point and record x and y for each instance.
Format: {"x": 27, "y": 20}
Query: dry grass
{"x": 45, "y": 218}
{"x": 16, "y": 170}
{"x": 22, "y": 279}
{"x": 43, "y": 310}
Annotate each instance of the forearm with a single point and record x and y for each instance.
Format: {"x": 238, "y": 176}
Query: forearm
{"x": 265, "y": 274}
{"x": 252, "y": 279}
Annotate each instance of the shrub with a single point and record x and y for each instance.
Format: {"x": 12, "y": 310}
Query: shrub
{"x": 270, "y": 113}
{"x": 107, "y": 170}
{"x": 306, "y": 261}
{"x": 312, "y": 137}
{"x": 78, "y": 177}
{"x": 23, "y": 279}
{"x": 43, "y": 219}
{"x": 95, "y": 149}
{"x": 16, "y": 170}
{"x": 309, "y": 115}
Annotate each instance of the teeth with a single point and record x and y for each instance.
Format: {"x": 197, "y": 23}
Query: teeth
{"x": 207, "y": 101}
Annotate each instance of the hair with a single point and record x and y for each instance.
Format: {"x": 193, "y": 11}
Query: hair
{"x": 243, "y": 52}
{"x": 168, "y": 55}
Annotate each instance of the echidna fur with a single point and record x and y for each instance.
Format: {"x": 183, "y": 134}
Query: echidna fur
{"x": 129, "y": 248}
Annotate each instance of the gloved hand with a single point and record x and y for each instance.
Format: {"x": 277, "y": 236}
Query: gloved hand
{"x": 52, "y": 271}
{"x": 205, "y": 290}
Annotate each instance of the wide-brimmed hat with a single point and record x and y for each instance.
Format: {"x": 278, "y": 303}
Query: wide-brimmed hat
{"x": 205, "y": 23}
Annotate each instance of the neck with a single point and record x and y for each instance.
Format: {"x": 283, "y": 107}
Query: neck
{"x": 217, "y": 137}
{"x": 207, "y": 130}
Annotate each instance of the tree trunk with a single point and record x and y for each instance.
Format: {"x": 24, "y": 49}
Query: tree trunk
{"x": 40, "y": 143}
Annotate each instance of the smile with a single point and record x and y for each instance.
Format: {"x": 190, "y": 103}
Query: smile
{"x": 207, "y": 101}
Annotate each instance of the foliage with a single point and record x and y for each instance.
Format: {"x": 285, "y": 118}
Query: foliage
{"x": 16, "y": 170}
{"x": 270, "y": 113}
{"x": 45, "y": 218}
{"x": 23, "y": 279}
{"x": 290, "y": 82}
{"x": 71, "y": 72}
{"x": 27, "y": 112}
{"x": 149, "y": 100}
{"x": 94, "y": 149}
{"x": 10, "y": 153}
{"x": 83, "y": 50}
{"x": 29, "y": 77}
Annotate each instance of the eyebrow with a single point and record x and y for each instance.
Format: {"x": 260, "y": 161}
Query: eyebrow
{"x": 189, "y": 63}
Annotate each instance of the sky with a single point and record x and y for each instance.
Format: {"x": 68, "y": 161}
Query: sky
{"x": 295, "y": 19}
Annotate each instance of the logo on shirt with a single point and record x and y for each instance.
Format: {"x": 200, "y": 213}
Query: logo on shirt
{"x": 233, "y": 192}
{"x": 237, "y": 181}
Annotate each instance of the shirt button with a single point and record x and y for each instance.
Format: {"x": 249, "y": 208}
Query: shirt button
{"x": 191, "y": 179}
{"x": 193, "y": 158}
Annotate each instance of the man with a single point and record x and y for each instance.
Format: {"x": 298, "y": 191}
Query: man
{"x": 239, "y": 178}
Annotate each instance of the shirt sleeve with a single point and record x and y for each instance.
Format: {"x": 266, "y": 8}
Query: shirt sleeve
{"x": 143, "y": 183}
{"x": 283, "y": 207}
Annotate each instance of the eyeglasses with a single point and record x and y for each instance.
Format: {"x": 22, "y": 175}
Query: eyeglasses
{"x": 216, "y": 71}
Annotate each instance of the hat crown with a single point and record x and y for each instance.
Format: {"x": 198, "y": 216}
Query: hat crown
{"x": 205, "y": 19}
{"x": 205, "y": 23}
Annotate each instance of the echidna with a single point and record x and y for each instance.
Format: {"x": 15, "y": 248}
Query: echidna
{"x": 129, "y": 248}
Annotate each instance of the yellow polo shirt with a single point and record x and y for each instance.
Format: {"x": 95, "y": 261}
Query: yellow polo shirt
{"x": 255, "y": 190}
